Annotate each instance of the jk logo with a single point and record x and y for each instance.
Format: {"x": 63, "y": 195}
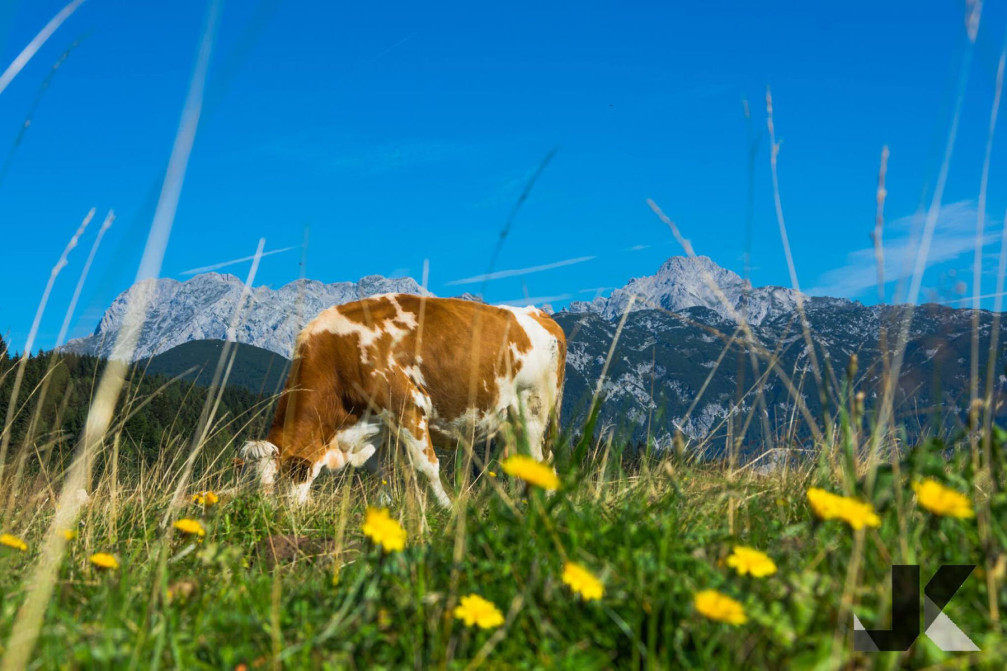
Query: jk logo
{"x": 906, "y": 604}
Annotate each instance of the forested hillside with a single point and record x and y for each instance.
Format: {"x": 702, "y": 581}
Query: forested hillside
{"x": 57, "y": 389}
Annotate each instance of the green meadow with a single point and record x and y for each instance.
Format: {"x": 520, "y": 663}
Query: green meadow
{"x": 264, "y": 585}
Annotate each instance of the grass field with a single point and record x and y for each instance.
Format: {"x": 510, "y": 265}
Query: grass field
{"x": 270, "y": 586}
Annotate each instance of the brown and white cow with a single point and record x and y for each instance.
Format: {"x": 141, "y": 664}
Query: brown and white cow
{"x": 432, "y": 370}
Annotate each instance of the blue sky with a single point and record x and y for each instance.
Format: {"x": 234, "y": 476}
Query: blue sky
{"x": 399, "y": 133}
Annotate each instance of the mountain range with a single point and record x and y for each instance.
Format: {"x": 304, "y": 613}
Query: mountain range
{"x": 701, "y": 350}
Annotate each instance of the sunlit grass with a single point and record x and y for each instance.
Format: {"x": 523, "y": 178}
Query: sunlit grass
{"x": 643, "y": 571}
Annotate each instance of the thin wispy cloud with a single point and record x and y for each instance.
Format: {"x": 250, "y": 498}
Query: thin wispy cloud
{"x": 535, "y": 300}
{"x": 954, "y": 236}
{"x": 637, "y": 248}
{"x": 966, "y": 299}
{"x": 500, "y": 274}
{"x": 224, "y": 264}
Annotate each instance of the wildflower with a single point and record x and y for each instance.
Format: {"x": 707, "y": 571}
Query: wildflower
{"x": 383, "y": 530}
{"x": 475, "y": 610}
{"x": 531, "y": 471}
{"x": 105, "y": 560}
{"x": 69, "y": 534}
{"x": 582, "y": 581}
{"x": 941, "y": 500}
{"x": 205, "y": 498}
{"x": 192, "y": 527}
{"x": 752, "y": 562}
{"x": 720, "y": 607}
{"x": 830, "y": 506}
{"x": 492, "y": 474}
{"x": 384, "y": 618}
{"x": 13, "y": 542}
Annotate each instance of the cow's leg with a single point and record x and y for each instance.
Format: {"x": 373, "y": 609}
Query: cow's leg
{"x": 351, "y": 446}
{"x": 299, "y": 473}
{"x": 415, "y": 435}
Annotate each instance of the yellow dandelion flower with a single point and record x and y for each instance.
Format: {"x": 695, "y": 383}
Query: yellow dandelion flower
{"x": 13, "y": 542}
{"x": 582, "y": 581}
{"x": 941, "y": 500}
{"x": 749, "y": 561}
{"x": 823, "y": 503}
{"x": 475, "y": 610}
{"x": 384, "y": 618}
{"x": 205, "y": 498}
{"x": 720, "y": 607}
{"x": 858, "y": 514}
{"x": 828, "y": 506}
{"x": 105, "y": 560}
{"x": 191, "y": 527}
{"x": 69, "y": 534}
{"x": 381, "y": 528}
{"x": 531, "y": 471}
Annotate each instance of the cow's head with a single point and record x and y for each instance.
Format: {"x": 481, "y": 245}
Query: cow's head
{"x": 258, "y": 463}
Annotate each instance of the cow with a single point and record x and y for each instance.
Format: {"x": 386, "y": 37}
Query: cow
{"x": 432, "y": 371}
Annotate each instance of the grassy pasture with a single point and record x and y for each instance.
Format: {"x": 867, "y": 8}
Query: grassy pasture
{"x": 271, "y": 586}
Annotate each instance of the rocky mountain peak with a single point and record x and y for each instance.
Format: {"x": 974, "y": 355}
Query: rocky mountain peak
{"x": 686, "y": 282}
{"x": 203, "y": 307}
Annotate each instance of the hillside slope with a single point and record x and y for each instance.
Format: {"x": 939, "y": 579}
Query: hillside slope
{"x": 253, "y": 368}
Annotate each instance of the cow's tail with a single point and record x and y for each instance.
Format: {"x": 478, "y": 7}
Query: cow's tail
{"x": 553, "y": 430}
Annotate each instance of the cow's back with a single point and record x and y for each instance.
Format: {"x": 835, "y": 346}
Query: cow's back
{"x": 469, "y": 358}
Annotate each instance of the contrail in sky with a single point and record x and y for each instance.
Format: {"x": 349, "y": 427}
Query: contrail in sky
{"x": 499, "y": 274}
{"x": 206, "y": 269}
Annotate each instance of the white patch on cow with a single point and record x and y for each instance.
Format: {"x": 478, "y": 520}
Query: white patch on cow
{"x": 407, "y": 318}
{"x": 422, "y": 402}
{"x": 414, "y": 374}
{"x": 333, "y": 321}
{"x": 355, "y": 444}
{"x": 402, "y": 323}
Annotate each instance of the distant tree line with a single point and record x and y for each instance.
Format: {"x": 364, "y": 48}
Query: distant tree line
{"x": 50, "y": 425}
